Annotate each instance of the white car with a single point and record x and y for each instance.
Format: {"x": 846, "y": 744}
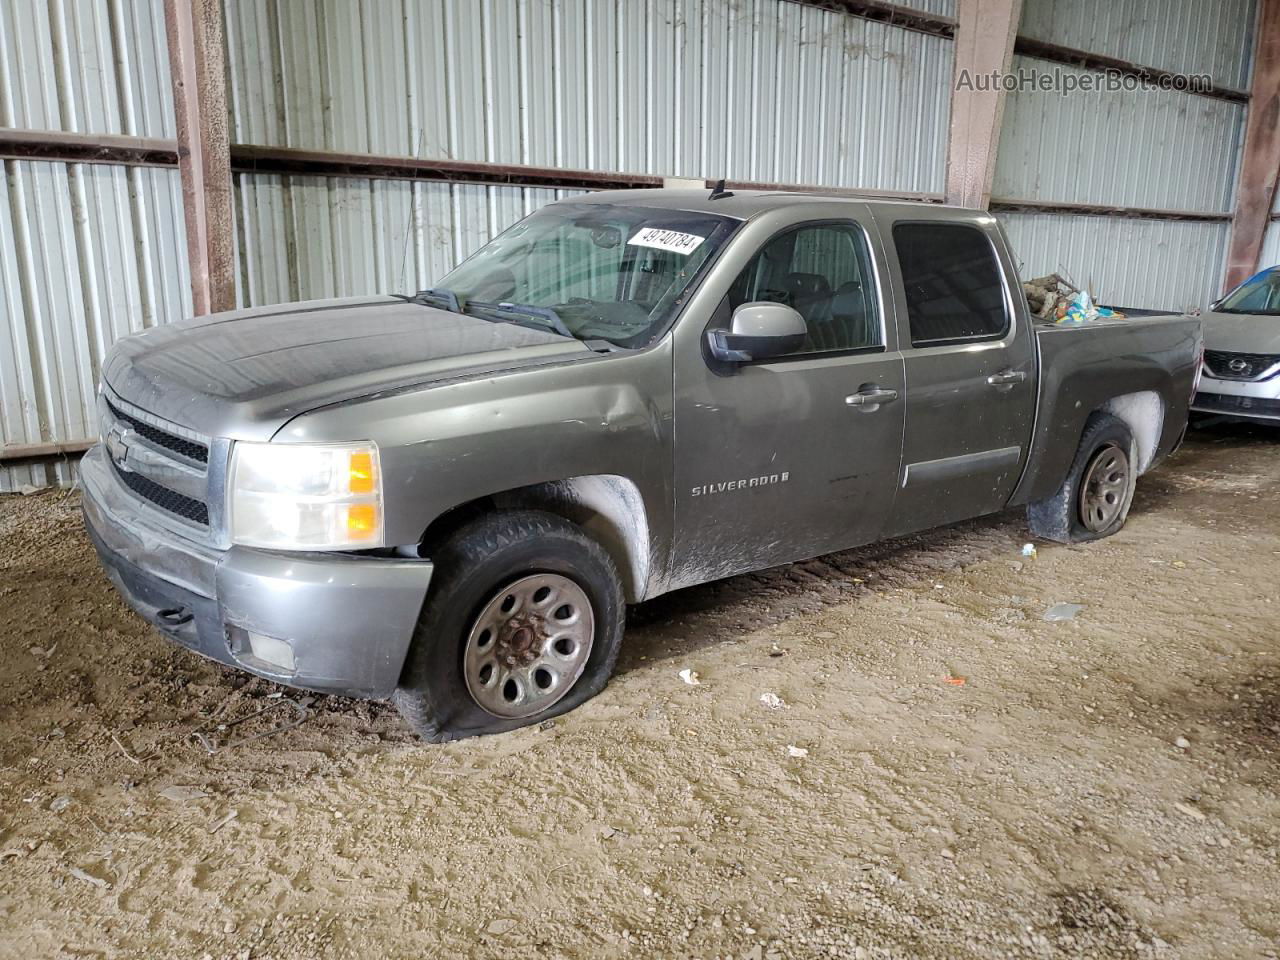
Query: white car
{"x": 1241, "y": 372}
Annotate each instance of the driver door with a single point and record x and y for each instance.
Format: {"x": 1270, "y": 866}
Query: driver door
{"x": 794, "y": 456}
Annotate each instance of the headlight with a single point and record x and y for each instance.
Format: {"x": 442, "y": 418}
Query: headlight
{"x": 303, "y": 496}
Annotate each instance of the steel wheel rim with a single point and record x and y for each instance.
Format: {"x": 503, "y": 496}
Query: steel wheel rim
{"x": 1105, "y": 486}
{"x": 528, "y": 646}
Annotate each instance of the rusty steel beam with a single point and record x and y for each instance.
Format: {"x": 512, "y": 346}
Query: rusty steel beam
{"x": 54, "y": 145}
{"x": 1260, "y": 166}
{"x": 26, "y": 454}
{"x": 1070, "y": 56}
{"x": 983, "y": 45}
{"x": 253, "y": 158}
{"x": 1011, "y": 205}
{"x": 196, "y": 66}
{"x": 917, "y": 20}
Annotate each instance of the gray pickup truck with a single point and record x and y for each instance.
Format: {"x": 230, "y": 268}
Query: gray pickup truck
{"x": 448, "y": 499}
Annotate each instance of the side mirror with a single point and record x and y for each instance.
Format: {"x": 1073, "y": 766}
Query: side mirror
{"x": 758, "y": 331}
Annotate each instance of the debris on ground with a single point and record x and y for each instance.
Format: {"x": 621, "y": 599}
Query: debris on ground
{"x": 216, "y": 744}
{"x": 1062, "y": 612}
{"x": 59, "y": 804}
{"x": 500, "y": 926}
{"x": 690, "y": 677}
{"x": 1189, "y": 810}
{"x": 87, "y": 877}
{"x": 181, "y": 794}
{"x": 1182, "y": 743}
{"x": 223, "y": 821}
{"x": 798, "y": 752}
{"x": 1029, "y": 550}
{"x": 772, "y": 701}
{"x": 955, "y": 681}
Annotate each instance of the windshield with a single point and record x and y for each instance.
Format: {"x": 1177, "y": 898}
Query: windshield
{"x": 1260, "y": 294}
{"x": 593, "y": 270}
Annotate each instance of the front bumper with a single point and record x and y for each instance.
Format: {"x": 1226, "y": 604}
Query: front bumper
{"x": 347, "y": 621}
{"x": 1251, "y": 399}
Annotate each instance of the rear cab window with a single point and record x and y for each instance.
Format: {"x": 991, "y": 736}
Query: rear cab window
{"x": 953, "y": 283}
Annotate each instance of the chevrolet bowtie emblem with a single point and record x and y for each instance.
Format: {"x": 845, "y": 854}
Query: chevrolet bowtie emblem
{"x": 117, "y": 447}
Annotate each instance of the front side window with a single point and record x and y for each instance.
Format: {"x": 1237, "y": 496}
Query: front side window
{"x": 824, "y": 272}
{"x": 952, "y": 282}
{"x": 616, "y": 272}
{"x": 1259, "y": 295}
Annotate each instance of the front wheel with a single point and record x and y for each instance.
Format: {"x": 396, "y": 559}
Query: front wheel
{"x": 523, "y": 622}
{"x": 1094, "y": 499}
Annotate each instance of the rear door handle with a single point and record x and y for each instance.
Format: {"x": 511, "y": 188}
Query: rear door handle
{"x": 1007, "y": 378}
{"x": 871, "y": 397}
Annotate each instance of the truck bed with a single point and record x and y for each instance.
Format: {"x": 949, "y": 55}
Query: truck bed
{"x": 1080, "y": 364}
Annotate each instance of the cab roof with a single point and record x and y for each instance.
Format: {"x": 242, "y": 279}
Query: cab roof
{"x": 745, "y": 204}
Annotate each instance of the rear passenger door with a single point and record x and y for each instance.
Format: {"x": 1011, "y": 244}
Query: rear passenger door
{"x": 970, "y": 370}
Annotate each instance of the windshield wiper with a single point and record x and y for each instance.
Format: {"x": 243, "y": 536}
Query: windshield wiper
{"x": 540, "y": 318}
{"x": 437, "y": 297}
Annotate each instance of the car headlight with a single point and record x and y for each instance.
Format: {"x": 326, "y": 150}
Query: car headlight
{"x": 304, "y": 496}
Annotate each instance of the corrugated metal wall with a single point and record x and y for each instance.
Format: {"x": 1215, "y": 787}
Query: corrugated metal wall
{"x": 1162, "y": 149}
{"x": 1183, "y": 36}
{"x": 1172, "y": 265}
{"x": 1154, "y": 149}
{"x": 752, "y": 90}
{"x": 87, "y": 252}
{"x": 1271, "y": 247}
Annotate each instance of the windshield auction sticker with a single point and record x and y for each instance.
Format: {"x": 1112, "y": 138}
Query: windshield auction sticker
{"x": 683, "y": 243}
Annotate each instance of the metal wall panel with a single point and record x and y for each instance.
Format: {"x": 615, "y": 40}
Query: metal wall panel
{"x": 1186, "y": 36}
{"x": 303, "y": 238}
{"x": 1156, "y": 264}
{"x": 1159, "y": 149}
{"x": 85, "y": 66}
{"x": 757, "y": 89}
{"x": 88, "y": 253}
{"x": 1271, "y": 246}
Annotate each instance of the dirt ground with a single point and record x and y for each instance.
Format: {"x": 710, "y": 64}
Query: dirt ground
{"x": 1104, "y": 787}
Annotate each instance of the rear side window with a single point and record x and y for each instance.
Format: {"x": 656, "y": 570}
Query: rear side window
{"x": 952, "y": 283}
{"x": 823, "y": 270}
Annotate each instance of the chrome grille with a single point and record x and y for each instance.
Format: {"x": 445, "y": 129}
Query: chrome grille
{"x": 158, "y": 464}
{"x": 186, "y": 507}
{"x": 162, "y": 438}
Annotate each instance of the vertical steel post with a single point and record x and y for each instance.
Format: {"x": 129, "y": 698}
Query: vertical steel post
{"x": 196, "y": 59}
{"x": 983, "y": 46}
{"x": 1260, "y": 165}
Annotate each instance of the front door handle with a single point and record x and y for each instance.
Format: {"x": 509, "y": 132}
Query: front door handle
{"x": 871, "y": 397}
{"x": 1007, "y": 378}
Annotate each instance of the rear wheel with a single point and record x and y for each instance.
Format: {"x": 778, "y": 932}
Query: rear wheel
{"x": 1093, "y": 501}
{"x": 523, "y": 622}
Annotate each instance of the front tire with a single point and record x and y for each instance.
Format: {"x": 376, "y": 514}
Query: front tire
{"x": 523, "y": 622}
{"x": 1093, "y": 501}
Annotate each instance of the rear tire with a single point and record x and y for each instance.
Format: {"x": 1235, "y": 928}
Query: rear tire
{"x": 523, "y": 622}
{"x": 1093, "y": 501}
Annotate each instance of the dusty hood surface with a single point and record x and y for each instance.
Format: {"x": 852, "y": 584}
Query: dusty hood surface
{"x": 246, "y": 373}
{"x": 1241, "y": 332}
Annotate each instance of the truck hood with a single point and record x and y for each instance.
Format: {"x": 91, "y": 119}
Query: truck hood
{"x": 1241, "y": 332}
{"x": 246, "y": 373}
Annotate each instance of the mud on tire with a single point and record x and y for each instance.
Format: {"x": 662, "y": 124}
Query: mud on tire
{"x": 479, "y": 561}
{"x": 1063, "y": 517}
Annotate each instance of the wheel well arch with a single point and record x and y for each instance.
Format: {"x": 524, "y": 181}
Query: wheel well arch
{"x": 608, "y": 507}
{"x": 1143, "y": 413}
